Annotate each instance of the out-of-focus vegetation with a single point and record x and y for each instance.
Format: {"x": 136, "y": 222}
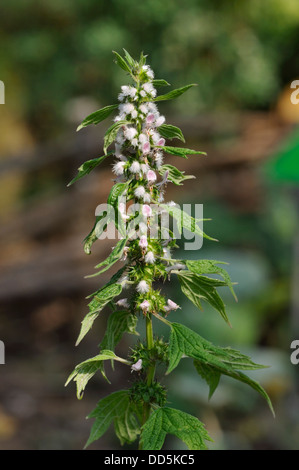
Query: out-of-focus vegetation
{"x": 239, "y": 53}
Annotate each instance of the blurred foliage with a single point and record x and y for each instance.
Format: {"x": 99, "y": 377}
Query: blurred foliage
{"x": 240, "y": 53}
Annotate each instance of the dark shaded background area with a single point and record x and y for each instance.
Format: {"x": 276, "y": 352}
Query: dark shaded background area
{"x": 57, "y": 65}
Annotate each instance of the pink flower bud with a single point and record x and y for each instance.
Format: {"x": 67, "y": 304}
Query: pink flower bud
{"x": 151, "y": 176}
{"x": 143, "y": 242}
{"x": 137, "y": 366}
{"x": 161, "y": 142}
{"x": 146, "y": 210}
{"x": 146, "y": 148}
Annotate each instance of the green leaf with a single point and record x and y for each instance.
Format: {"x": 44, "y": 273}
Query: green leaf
{"x": 87, "y": 167}
{"x": 174, "y": 175}
{"x": 86, "y": 370}
{"x": 119, "y": 322}
{"x": 209, "y": 374}
{"x": 165, "y": 421}
{"x": 118, "y": 408}
{"x": 116, "y": 192}
{"x": 180, "y": 151}
{"x": 210, "y": 267}
{"x": 97, "y": 116}
{"x": 174, "y": 93}
{"x": 227, "y": 361}
{"x": 197, "y": 287}
{"x": 98, "y": 228}
{"x": 126, "y": 426}
{"x": 131, "y": 62}
{"x": 122, "y": 63}
{"x": 160, "y": 82}
{"x": 100, "y": 300}
{"x": 114, "y": 256}
{"x": 185, "y": 220}
{"x": 171, "y": 132}
{"x": 112, "y": 133}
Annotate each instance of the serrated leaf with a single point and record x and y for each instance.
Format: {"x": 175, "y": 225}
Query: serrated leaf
{"x": 160, "y": 82}
{"x": 97, "y": 116}
{"x": 100, "y": 300}
{"x": 210, "y": 267}
{"x": 174, "y": 93}
{"x": 112, "y": 133}
{"x": 227, "y": 361}
{"x": 84, "y": 371}
{"x": 209, "y": 374}
{"x": 114, "y": 256}
{"x": 180, "y": 151}
{"x": 184, "y": 220}
{"x": 116, "y": 406}
{"x": 88, "y": 166}
{"x": 165, "y": 421}
{"x": 119, "y": 322}
{"x": 198, "y": 288}
{"x": 174, "y": 175}
{"x": 121, "y": 62}
{"x": 116, "y": 192}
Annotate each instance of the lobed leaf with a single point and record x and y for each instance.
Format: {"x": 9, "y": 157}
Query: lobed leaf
{"x": 227, "y": 361}
{"x": 210, "y": 267}
{"x": 184, "y": 220}
{"x": 198, "y": 288}
{"x": 165, "y": 421}
{"x": 84, "y": 371}
{"x": 115, "y": 407}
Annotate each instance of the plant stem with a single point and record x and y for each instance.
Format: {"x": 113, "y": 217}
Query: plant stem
{"x": 151, "y": 370}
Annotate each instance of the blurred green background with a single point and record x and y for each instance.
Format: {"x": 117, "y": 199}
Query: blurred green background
{"x": 57, "y": 65}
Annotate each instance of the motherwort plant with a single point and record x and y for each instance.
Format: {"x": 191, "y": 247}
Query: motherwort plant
{"x": 144, "y": 248}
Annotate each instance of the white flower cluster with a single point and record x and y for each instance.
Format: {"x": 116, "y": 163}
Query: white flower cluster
{"x": 139, "y": 153}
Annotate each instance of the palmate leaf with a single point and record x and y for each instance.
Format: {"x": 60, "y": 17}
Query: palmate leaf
{"x": 174, "y": 93}
{"x": 180, "y": 151}
{"x": 198, "y": 288}
{"x": 184, "y": 220}
{"x": 87, "y": 167}
{"x": 97, "y": 116}
{"x": 227, "y": 361}
{"x": 100, "y": 300}
{"x": 84, "y": 371}
{"x": 118, "y": 408}
{"x": 174, "y": 175}
{"x": 210, "y": 267}
{"x": 165, "y": 421}
{"x": 169, "y": 131}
